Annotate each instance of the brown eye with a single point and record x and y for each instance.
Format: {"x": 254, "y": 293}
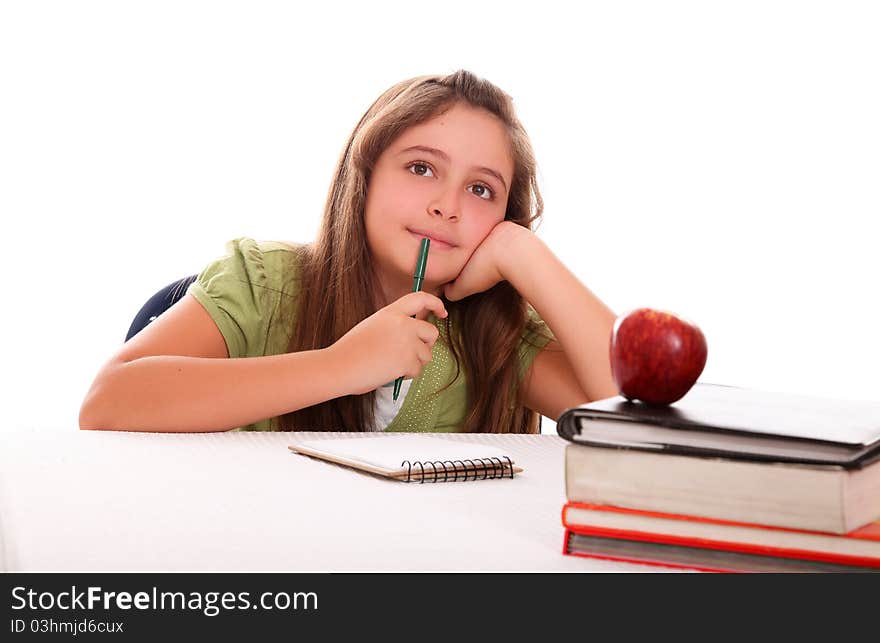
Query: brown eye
{"x": 486, "y": 193}
{"x": 419, "y": 165}
{"x": 484, "y": 189}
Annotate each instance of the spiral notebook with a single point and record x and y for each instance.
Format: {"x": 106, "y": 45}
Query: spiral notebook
{"x": 413, "y": 458}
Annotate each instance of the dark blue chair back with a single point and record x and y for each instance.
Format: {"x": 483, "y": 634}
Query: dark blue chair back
{"x": 158, "y": 304}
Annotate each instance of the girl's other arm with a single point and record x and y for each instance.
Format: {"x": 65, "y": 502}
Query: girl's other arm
{"x": 175, "y": 376}
{"x": 581, "y": 322}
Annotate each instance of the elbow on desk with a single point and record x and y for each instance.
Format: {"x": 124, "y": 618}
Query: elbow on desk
{"x": 103, "y": 410}
{"x": 93, "y": 412}
{"x": 87, "y": 423}
{"x": 96, "y": 414}
{"x": 88, "y": 417}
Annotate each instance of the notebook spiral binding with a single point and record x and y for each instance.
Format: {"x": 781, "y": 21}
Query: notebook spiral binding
{"x": 488, "y": 468}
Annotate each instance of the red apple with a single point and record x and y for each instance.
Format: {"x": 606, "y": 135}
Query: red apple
{"x": 656, "y": 356}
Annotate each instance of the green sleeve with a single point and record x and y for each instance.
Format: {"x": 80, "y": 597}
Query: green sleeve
{"x": 536, "y": 336}
{"x": 233, "y": 291}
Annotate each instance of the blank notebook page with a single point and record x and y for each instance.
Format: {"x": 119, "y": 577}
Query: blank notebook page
{"x": 388, "y": 452}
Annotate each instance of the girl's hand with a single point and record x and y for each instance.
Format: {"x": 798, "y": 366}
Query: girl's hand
{"x": 388, "y": 344}
{"x": 483, "y": 267}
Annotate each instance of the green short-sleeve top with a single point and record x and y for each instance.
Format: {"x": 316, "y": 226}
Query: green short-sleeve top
{"x": 249, "y": 291}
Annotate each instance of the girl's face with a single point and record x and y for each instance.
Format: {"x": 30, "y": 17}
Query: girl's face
{"x": 446, "y": 178}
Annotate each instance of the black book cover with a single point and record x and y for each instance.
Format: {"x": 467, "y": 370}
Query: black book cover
{"x": 735, "y": 422}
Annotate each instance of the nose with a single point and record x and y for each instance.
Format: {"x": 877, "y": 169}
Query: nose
{"x": 445, "y": 204}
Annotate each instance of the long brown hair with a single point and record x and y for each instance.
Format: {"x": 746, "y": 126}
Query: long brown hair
{"x": 337, "y": 290}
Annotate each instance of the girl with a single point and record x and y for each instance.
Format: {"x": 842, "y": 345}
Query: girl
{"x": 320, "y": 331}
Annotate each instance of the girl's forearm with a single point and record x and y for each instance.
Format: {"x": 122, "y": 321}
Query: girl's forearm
{"x": 188, "y": 394}
{"x": 581, "y": 322}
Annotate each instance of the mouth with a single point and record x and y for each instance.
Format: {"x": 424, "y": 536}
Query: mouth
{"x": 436, "y": 244}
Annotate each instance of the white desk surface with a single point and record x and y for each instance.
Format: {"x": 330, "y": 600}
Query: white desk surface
{"x": 112, "y": 501}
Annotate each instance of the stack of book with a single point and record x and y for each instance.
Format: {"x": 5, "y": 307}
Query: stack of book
{"x": 725, "y": 479}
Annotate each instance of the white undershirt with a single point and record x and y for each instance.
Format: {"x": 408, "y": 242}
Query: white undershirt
{"x": 386, "y": 407}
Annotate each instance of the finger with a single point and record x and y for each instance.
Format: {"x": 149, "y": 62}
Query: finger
{"x": 415, "y": 369}
{"x": 426, "y": 331}
{"x": 425, "y": 355}
{"x": 415, "y": 302}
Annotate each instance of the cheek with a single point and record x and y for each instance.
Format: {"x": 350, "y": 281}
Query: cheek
{"x": 382, "y": 210}
{"x": 394, "y": 198}
{"x": 477, "y": 227}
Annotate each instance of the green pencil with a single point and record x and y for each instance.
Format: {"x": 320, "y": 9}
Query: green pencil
{"x": 418, "y": 278}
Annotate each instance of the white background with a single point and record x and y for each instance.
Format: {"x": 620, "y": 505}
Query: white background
{"x": 719, "y": 160}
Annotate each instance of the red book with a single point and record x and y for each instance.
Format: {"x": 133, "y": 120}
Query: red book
{"x": 692, "y": 542}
